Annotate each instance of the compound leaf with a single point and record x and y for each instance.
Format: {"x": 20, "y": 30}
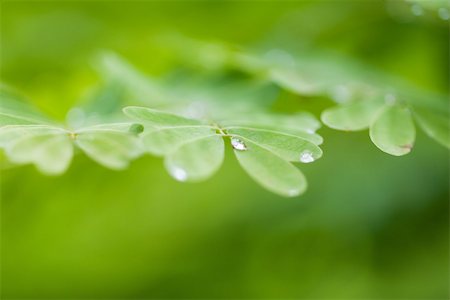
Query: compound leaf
{"x": 48, "y": 148}
{"x": 193, "y": 151}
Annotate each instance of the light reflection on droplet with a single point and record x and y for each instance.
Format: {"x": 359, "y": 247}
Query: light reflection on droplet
{"x": 306, "y": 157}
{"x": 179, "y": 174}
{"x": 238, "y": 144}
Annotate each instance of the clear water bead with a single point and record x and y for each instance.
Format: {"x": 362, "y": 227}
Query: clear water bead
{"x": 179, "y": 174}
{"x": 238, "y": 144}
{"x": 306, "y": 157}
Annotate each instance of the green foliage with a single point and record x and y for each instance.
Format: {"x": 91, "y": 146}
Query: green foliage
{"x": 359, "y": 90}
{"x": 194, "y": 150}
{"x": 353, "y": 116}
{"x": 393, "y": 130}
{"x": 26, "y": 139}
{"x": 14, "y": 111}
{"x": 437, "y": 126}
{"x": 380, "y": 220}
{"x": 265, "y": 143}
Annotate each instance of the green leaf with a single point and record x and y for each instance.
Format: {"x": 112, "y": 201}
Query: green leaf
{"x": 393, "y": 131}
{"x": 311, "y": 137}
{"x": 132, "y": 128}
{"x": 288, "y": 147}
{"x": 194, "y": 151}
{"x": 157, "y": 118}
{"x": 300, "y": 121}
{"x": 270, "y": 170}
{"x": 351, "y": 117}
{"x": 436, "y": 126}
{"x": 196, "y": 159}
{"x": 293, "y": 82}
{"x": 165, "y": 140}
{"x": 301, "y": 124}
{"x": 48, "y": 148}
{"x": 10, "y": 133}
{"x": 109, "y": 147}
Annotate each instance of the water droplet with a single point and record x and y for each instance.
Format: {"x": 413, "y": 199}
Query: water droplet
{"x": 310, "y": 131}
{"x": 443, "y": 13}
{"x": 306, "y": 157}
{"x": 238, "y": 144}
{"x": 136, "y": 128}
{"x": 179, "y": 174}
{"x": 416, "y": 9}
{"x": 390, "y": 98}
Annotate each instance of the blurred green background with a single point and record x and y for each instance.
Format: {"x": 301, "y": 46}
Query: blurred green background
{"x": 370, "y": 226}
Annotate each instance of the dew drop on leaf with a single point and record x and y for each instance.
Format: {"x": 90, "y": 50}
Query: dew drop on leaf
{"x": 306, "y": 157}
{"x": 179, "y": 174}
{"x": 238, "y": 144}
{"x": 136, "y": 128}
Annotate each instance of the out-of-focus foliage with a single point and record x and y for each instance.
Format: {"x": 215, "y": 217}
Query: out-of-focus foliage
{"x": 29, "y": 137}
{"x": 193, "y": 149}
{"x": 370, "y": 226}
{"x": 357, "y": 88}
